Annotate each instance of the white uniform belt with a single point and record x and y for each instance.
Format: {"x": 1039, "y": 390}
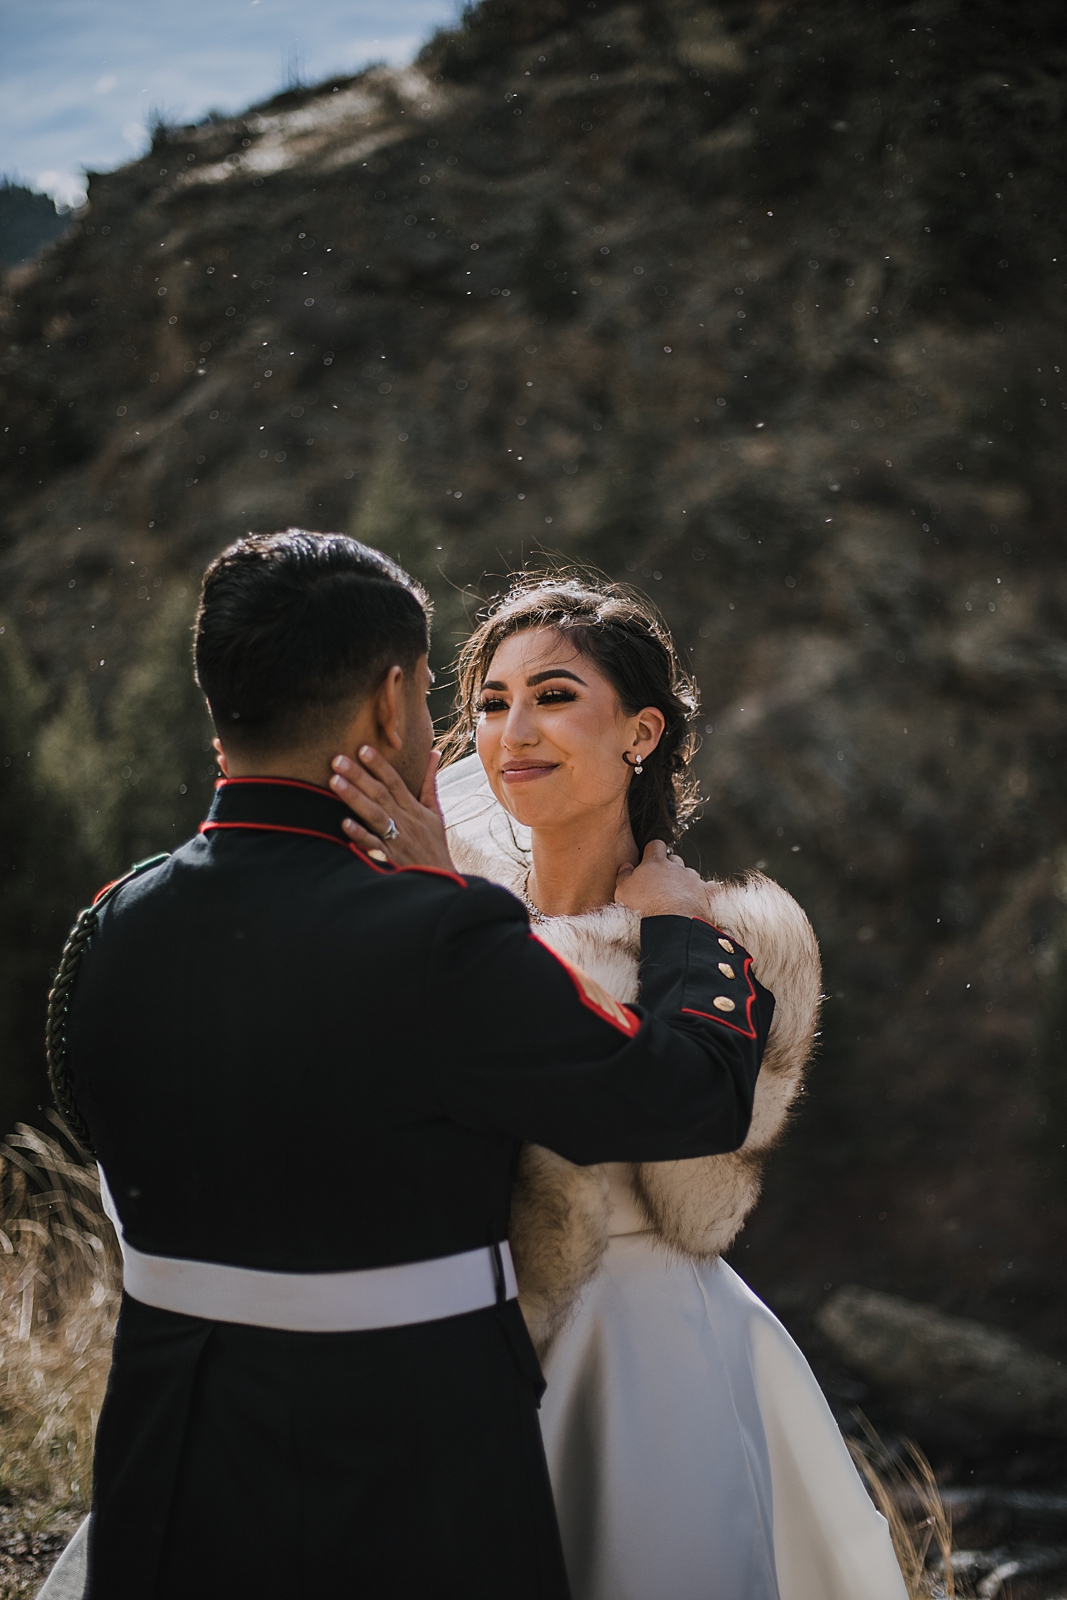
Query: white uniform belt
{"x": 319, "y": 1302}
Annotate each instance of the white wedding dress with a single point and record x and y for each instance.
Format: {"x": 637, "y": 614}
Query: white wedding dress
{"x": 692, "y": 1453}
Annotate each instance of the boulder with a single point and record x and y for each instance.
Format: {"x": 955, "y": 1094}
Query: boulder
{"x": 963, "y": 1365}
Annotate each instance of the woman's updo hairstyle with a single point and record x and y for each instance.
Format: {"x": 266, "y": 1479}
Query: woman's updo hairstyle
{"x": 620, "y": 630}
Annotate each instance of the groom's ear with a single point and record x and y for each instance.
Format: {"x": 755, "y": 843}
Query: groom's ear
{"x": 389, "y": 708}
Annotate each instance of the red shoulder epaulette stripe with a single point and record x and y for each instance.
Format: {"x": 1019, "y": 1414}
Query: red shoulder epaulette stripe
{"x": 100, "y": 893}
{"x": 594, "y": 997}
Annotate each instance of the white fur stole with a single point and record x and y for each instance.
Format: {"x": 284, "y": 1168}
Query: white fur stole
{"x": 560, "y": 1212}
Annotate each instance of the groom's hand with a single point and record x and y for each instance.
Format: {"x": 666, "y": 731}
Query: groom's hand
{"x": 662, "y": 885}
{"x": 379, "y": 797}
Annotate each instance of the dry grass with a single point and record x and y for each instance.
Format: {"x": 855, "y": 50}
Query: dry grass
{"x": 59, "y": 1289}
{"x": 904, "y": 1489}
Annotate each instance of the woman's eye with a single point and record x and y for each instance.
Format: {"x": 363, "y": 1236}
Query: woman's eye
{"x": 556, "y": 697}
{"x": 491, "y": 705}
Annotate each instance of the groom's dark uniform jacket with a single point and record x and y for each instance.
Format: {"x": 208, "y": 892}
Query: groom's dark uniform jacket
{"x": 293, "y": 1059}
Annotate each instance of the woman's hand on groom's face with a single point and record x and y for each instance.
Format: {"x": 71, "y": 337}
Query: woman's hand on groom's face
{"x": 382, "y": 802}
{"x": 662, "y": 885}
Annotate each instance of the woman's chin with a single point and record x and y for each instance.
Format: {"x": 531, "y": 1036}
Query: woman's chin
{"x": 525, "y": 810}
{"x": 531, "y": 804}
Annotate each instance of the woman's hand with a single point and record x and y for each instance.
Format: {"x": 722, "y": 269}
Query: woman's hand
{"x": 379, "y": 797}
{"x": 662, "y": 885}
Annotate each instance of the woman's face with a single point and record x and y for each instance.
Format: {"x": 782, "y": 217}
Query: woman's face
{"x": 551, "y": 733}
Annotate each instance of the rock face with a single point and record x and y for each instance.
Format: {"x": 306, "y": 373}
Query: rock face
{"x": 963, "y": 1365}
{"x": 760, "y": 307}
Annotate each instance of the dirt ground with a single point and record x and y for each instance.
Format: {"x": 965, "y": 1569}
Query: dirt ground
{"x": 32, "y": 1534}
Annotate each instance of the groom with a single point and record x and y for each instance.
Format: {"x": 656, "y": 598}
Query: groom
{"x": 307, "y": 1073}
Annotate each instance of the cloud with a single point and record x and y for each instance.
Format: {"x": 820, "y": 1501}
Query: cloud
{"x": 77, "y": 76}
{"x": 66, "y": 188}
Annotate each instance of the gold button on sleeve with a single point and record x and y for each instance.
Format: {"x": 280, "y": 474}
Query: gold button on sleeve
{"x": 727, "y": 946}
{"x": 726, "y": 970}
{"x": 722, "y": 1002}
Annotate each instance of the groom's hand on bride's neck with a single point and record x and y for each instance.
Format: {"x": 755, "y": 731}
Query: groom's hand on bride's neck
{"x": 661, "y": 885}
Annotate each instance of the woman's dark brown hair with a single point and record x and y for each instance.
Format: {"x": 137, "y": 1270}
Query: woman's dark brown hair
{"x": 620, "y": 630}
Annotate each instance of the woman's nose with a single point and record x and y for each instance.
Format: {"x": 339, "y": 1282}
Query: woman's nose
{"x": 518, "y": 730}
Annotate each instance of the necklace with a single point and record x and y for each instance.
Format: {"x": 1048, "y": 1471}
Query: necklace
{"x": 536, "y": 914}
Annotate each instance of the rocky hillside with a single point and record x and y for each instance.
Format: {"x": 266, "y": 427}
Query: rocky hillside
{"x": 761, "y": 306}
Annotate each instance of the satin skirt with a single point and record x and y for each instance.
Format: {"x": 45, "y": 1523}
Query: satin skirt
{"x": 692, "y": 1453}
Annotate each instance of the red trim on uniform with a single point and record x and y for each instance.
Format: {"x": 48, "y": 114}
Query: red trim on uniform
{"x": 435, "y": 872}
{"x": 100, "y": 893}
{"x": 289, "y": 783}
{"x": 310, "y": 833}
{"x": 594, "y": 997}
{"x": 387, "y": 867}
{"x": 748, "y": 1032}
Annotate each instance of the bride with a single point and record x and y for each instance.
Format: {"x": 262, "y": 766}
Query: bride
{"x": 692, "y": 1454}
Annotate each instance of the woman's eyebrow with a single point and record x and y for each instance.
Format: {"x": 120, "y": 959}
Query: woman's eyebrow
{"x": 538, "y": 677}
{"x": 555, "y": 672}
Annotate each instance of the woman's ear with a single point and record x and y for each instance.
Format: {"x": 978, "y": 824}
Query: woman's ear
{"x": 648, "y": 726}
{"x": 220, "y": 757}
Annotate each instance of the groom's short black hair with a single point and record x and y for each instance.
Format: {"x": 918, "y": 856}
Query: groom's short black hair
{"x": 293, "y": 627}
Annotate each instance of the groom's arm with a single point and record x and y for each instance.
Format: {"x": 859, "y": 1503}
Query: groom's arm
{"x": 545, "y": 1055}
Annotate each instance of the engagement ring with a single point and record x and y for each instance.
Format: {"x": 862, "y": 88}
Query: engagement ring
{"x": 391, "y": 830}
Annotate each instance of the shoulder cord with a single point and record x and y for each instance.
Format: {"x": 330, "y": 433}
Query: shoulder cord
{"x": 59, "y": 1002}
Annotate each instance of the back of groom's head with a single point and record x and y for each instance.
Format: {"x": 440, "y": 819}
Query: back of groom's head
{"x": 294, "y": 628}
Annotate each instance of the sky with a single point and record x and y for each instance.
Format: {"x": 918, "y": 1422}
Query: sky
{"x": 79, "y": 79}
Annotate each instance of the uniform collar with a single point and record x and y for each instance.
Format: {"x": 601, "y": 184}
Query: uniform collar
{"x": 283, "y": 804}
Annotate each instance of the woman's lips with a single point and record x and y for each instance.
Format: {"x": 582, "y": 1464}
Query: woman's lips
{"x": 527, "y": 774}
